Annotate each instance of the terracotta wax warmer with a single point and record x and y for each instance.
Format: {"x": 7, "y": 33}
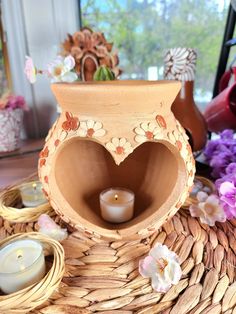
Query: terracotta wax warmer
{"x": 116, "y": 134}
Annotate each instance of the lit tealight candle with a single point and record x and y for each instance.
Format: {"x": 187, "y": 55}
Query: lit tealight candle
{"x": 117, "y": 205}
{"x": 22, "y": 264}
{"x": 32, "y": 194}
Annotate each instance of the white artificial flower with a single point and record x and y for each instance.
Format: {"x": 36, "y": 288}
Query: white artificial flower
{"x": 162, "y": 266}
{"x": 208, "y": 209}
{"x": 59, "y": 70}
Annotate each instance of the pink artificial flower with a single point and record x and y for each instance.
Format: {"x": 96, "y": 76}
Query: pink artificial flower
{"x": 15, "y": 102}
{"x": 208, "y": 209}
{"x": 49, "y": 227}
{"x": 227, "y": 192}
{"x": 162, "y": 266}
{"x": 30, "y": 70}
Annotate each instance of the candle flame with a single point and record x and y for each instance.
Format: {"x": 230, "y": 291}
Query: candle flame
{"x": 19, "y": 254}
{"x": 34, "y": 185}
{"x": 116, "y": 197}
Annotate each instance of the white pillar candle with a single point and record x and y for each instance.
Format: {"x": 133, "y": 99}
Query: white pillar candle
{"x": 22, "y": 263}
{"x": 117, "y": 205}
{"x": 32, "y": 194}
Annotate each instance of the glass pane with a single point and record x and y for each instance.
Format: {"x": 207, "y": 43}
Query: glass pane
{"x": 143, "y": 29}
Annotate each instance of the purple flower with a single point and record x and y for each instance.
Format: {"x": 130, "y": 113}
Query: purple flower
{"x": 231, "y": 169}
{"x": 230, "y": 175}
{"x": 227, "y": 193}
{"x": 221, "y": 152}
{"x": 227, "y": 134}
{"x": 210, "y": 149}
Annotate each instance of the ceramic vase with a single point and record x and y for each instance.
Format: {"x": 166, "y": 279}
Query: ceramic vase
{"x": 116, "y": 134}
{"x": 10, "y": 127}
{"x": 180, "y": 65}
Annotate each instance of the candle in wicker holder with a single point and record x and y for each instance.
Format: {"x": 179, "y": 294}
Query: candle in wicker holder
{"x": 22, "y": 263}
{"x": 32, "y": 194}
{"x": 27, "y": 299}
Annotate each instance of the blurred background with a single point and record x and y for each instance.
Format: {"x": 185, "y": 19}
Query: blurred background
{"x": 141, "y": 31}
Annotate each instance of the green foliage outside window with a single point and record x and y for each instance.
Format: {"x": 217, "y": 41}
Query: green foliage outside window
{"x": 142, "y": 30}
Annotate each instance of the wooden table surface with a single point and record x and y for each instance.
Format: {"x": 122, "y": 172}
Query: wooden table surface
{"x": 15, "y": 166}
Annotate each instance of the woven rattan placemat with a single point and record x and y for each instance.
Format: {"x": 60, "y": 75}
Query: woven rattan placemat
{"x": 102, "y": 277}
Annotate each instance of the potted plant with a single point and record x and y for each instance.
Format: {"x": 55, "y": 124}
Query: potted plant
{"x": 11, "y": 116}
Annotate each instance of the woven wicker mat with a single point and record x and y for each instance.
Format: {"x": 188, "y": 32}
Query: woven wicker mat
{"x": 102, "y": 277}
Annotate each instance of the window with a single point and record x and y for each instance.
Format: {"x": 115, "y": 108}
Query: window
{"x": 4, "y": 64}
{"x": 143, "y": 29}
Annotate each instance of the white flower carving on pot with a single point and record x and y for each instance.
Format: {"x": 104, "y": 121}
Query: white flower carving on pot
{"x": 119, "y": 146}
{"x": 146, "y": 131}
{"x": 91, "y": 128}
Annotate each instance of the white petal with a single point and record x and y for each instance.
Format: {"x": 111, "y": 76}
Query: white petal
{"x": 69, "y": 63}
{"x": 90, "y": 124}
{"x": 110, "y": 146}
{"x": 159, "y": 136}
{"x": 81, "y": 132}
{"x": 173, "y": 272}
{"x": 155, "y": 131}
{"x": 123, "y": 142}
{"x": 159, "y": 251}
{"x": 151, "y": 126}
{"x": 140, "y": 138}
{"x": 97, "y": 126}
{"x": 202, "y": 196}
{"x": 128, "y": 150}
{"x": 115, "y": 141}
{"x": 83, "y": 125}
{"x": 100, "y": 132}
{"x": 69, "y": 77}
{"x": 139, "y": 131}
{"x": 213, "y": 200}
{"x": 147, "y": 266}
{"x": 159, "y": 284}
{"x": 144, "y": 126}
{"x": 62, "y": 135}
{"x": 55, "y": 79}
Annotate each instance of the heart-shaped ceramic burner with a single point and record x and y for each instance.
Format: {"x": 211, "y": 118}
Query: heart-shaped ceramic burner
{"x": 116, "y": 134}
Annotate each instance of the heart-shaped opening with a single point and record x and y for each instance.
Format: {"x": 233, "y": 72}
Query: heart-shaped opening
{"x": 83, "y": 168}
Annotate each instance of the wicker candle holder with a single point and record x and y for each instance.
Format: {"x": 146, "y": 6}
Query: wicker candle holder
{"x": 29, "y": 298}
{"x": 9, "y": 198}
{"x": 117, "y": 133}
{"x": 192, "y": 199}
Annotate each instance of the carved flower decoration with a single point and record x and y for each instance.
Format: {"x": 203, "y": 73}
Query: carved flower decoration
{"x": 43, "y": 155}
{"x": 162, "y": 266}
{"x": 57, "y": 137}
{"x": 208, "y": 209}
{"x": 147, "y": 131}
{"x": 161, "y": 121}
{"x": 91, "y": 128}
{"x": 119, "y": 145}
{"x": 71, "y": 123}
